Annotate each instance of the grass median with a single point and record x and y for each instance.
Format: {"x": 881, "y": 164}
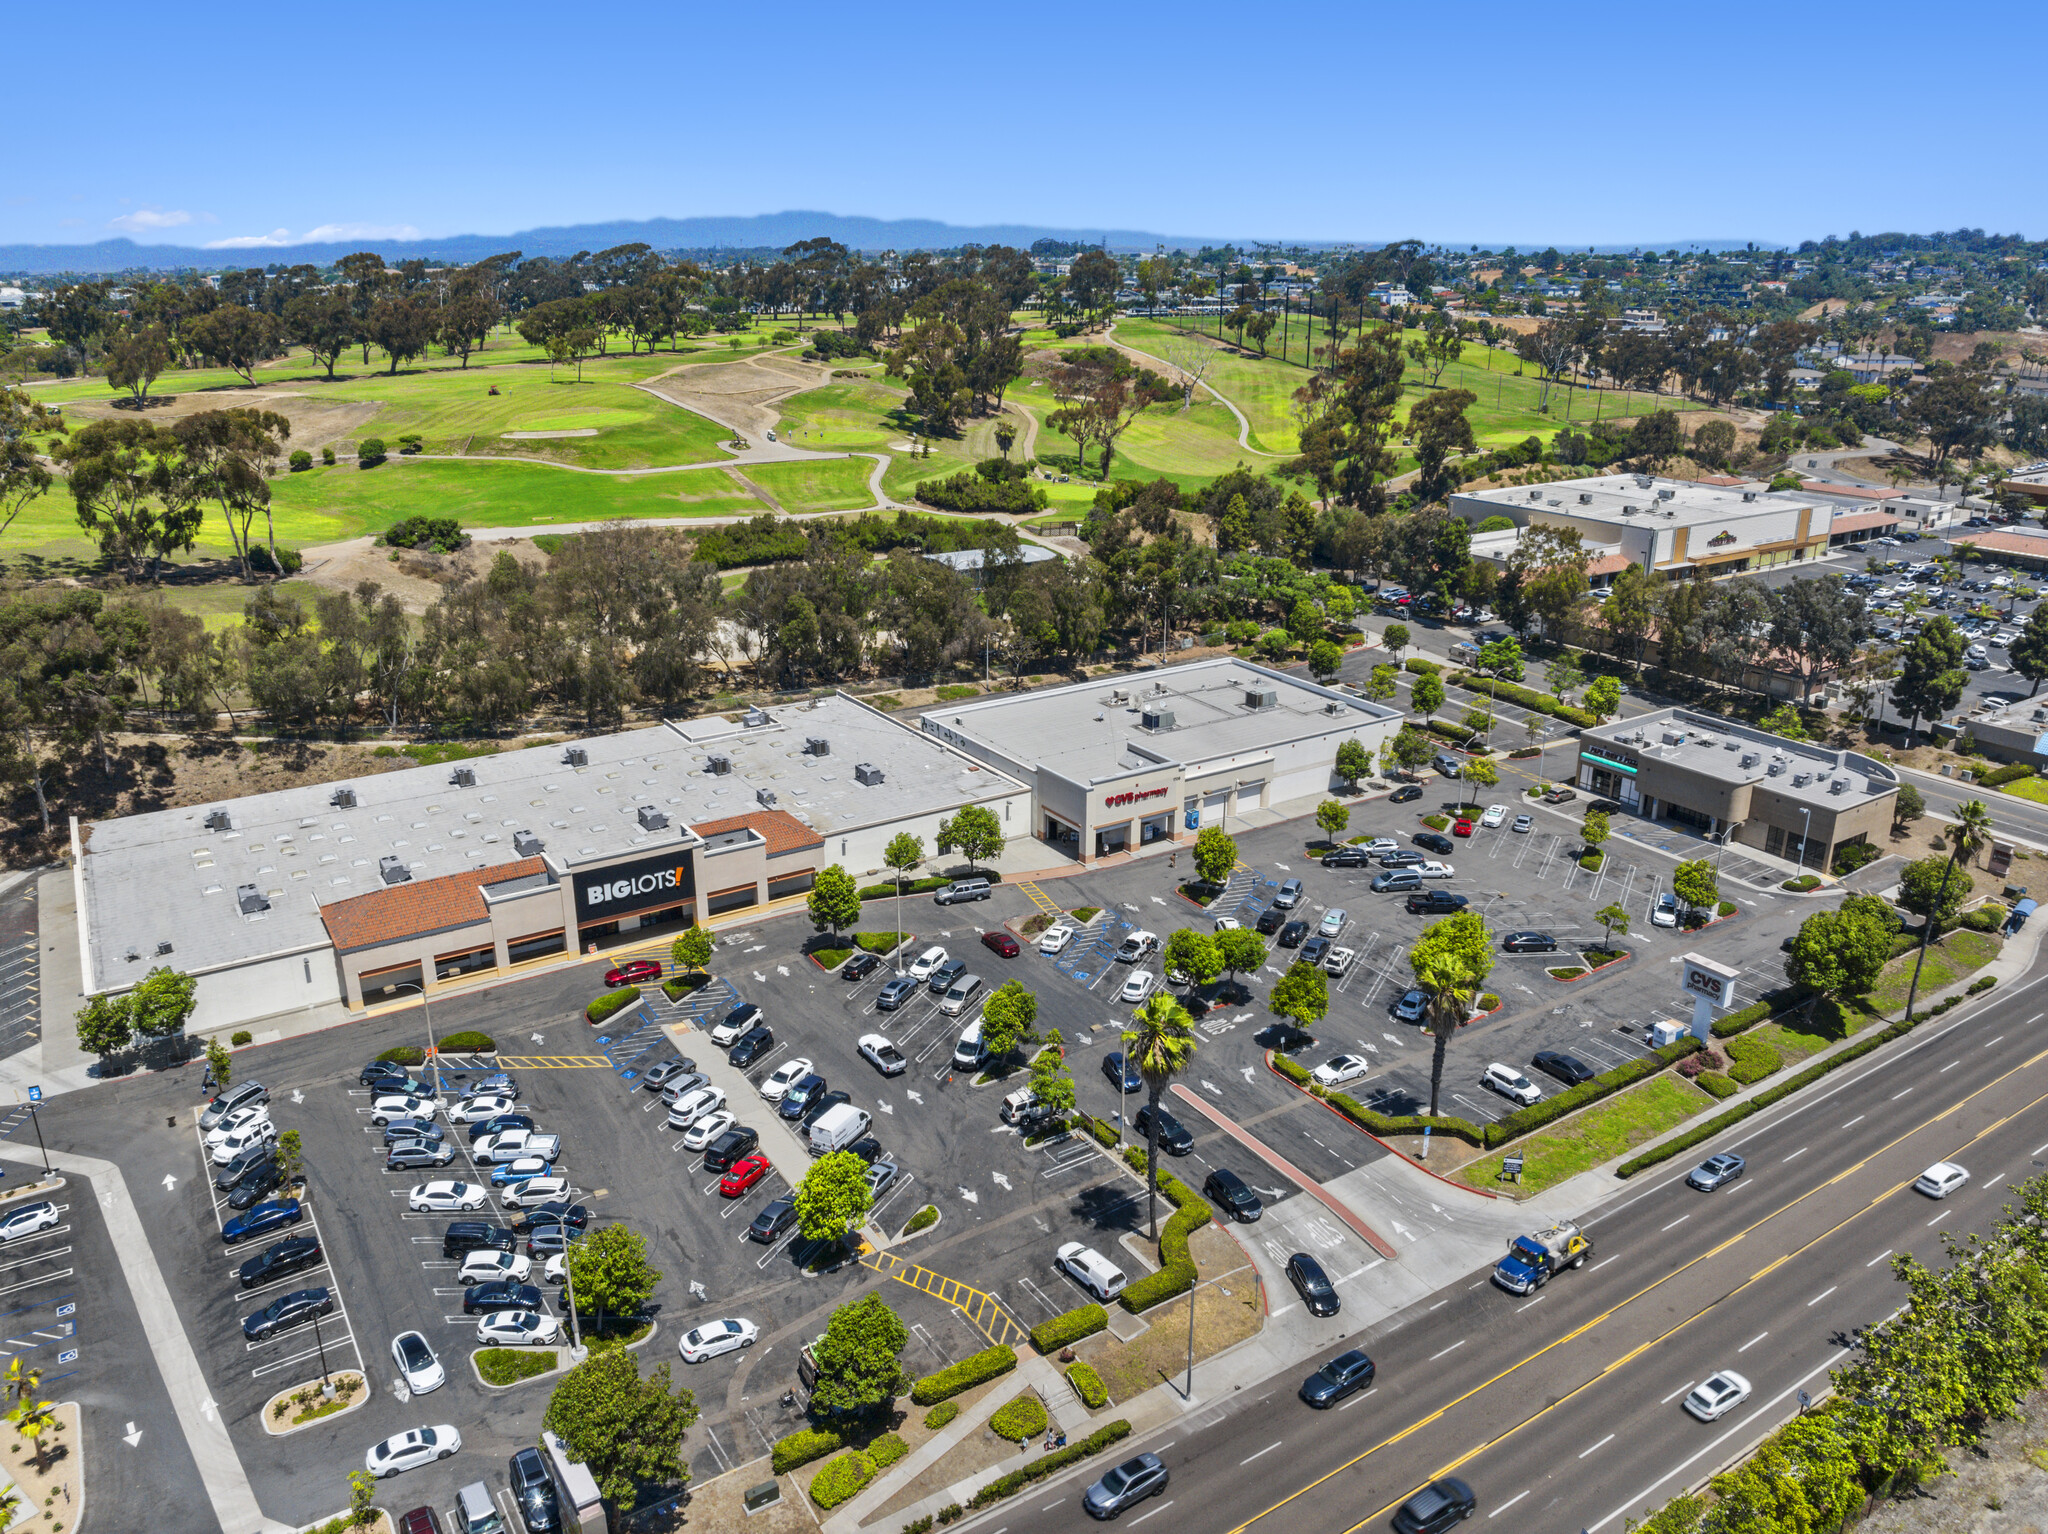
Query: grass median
{"x": 1599, "y": 1134}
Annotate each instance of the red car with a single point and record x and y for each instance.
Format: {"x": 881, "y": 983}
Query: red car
{"x": 1001, "y": 942}
{"x": 633, "y": 972}
{"x": 1462, "y": 828}
{"x": 744, "y": 1175}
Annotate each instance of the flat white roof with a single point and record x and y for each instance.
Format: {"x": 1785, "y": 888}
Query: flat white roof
{"x": 1635, "y": 499}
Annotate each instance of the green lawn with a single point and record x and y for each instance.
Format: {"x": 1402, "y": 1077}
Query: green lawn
{"x": 2026, "y": 788}
{"x": 1597, "y": 1134}
{"x": 1948, "y": 960}
{"x": 823, "y": 484}
{"x": 846, "y": 416}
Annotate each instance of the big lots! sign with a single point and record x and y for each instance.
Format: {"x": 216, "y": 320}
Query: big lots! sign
{"x": 1134, "y": 796}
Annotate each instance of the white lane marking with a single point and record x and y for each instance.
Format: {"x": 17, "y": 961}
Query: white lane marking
{"x": 1795, "y": 1155}
{"x": 1511, "y": 1501}
{"x": 1948, "y": 1067}
{"x": 1999, "y": 1040}
{"x": 1821, "y": 1296}
{"x": 1451, "y": 1349}
{"x": 1267, "y": 1450}
{"x": 1897, "y": 1095}
{"x": 1939, "y": 1218}
{"x": 1856, "y": 1120}
{"x": 1537, "y": 1301}
{"x": 1759, "y": 1337}
{"x": 1603, "y": 1443}
{"x": 1679, "y": 1221}
{"x": 1162, "y": 1507}
{"x": 1880, "y": 1257}
{"x": 1681, "y": 1390}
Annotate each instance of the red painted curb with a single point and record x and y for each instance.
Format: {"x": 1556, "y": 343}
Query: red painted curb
{"x": 1589, "y": 974}
{"x": 1392, "y": 1150}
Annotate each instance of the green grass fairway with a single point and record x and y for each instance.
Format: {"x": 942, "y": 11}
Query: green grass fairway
{"x": 825, "y": 484}
{"x": 845, "y": 416}
{"x": 330, "y": 504}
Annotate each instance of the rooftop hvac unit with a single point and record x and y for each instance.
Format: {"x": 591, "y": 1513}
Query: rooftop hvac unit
{"x": 392, "y": 870}
{"x": 1629, "y": 511}
{"x": 575, "y": 756}
{"x": 526, "y": 844}
{"x": 1674, "y": 737}
{"x": 1801, "y": 779}
{"x": 1644, "y": 481}
{"x": 651, "y": 819}
{"x": 718, "y": 764}
{"x": 1750, "y": 759}
{"x": 867, "y": 773}
{"x": 162, "y": 949}
{"x": 1749, "y": 495}
{"x": 462, "y": 777}
{"x": 1585, "y": 499}
{"x": 765, "y": 797}
{"x": 217, "y": 820}
{"x": 1665, "y": 495}
{"x": 1775, "y": 769}
{"x": 754, "y": 718}
{"x": 1261, "y": 697}
{"x": 1730, "y": 745}
{"x": 1535, "y": 495}
{"x": 1839, "y": 786}
{"x": 250, "y": 899}
{"x": 1333, "y": 707}
{"x": 342, "y": 799}
{"x": 1157, "y": 719}
{"x": 1119, "y": 696}
{"x": 817, "y": 745}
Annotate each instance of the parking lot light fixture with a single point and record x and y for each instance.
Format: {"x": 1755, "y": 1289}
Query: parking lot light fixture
{"x": 427, "y": 1015}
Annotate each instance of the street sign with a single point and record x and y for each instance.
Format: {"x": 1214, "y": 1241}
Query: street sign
{"x": 35, "y": 1094}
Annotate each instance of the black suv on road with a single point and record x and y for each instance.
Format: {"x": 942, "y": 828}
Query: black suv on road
{"x": 1238, "y": 1201}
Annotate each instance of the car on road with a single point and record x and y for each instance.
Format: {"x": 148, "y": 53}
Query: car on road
{"x": 1405, "y": 794}
{"x": 516, "y": 1328}
{"x": 287, "y": 1311}
{"x": 1338, "y": 1378}
{"x": 249, "y": 1094}
{"x": 534, "y": 1191}
{"x": 1938, "y": 1181}
{"x": 743, "y": 1174}
{"x": 1717, "y": 1395}
{"x": 1055, "y": 938}
{"x": 260, "y": 1221}
{"x": 1228, "y": 1189}
{"x": 401, "y": 1105}
{"x": 707, "y": 1129}
{"x": 1528, "y": 942}
{"x": 684, "y": 1112}
{"x": 1292, "y": 934}
{"x": 286, "y": 1256}
{"x": 1433, "y": 841}
{"x": 417, "y": 1365}
{"x": 1269, "y": 921}
{"x": 1434, "y": 902}
{"x": 445, "y": 1195}
{"x": 409, "y": 1451}
{"x": 1438, "y": 1506}
{"x": 1139, "y": 985}
{"x": 1411, "y": 1005}
{"x": 1121, "y": 1073}
{"x": 1126, "y": 1486}
{"x": 884, "y": 1056}
{"x": 1174, "y": 1138}
{"x": 1091, "y": 1270}
{"x": 753, "y": 1044}
{"x": 474, "y": 1110}
{"x": 1569, "y": 1069}
{"x": 860, "y": 966}
{"x": 408, "y": 1155}
{"x": 1511, "y": 1084}
{"x": 922, "y": 966}
{"x": 1523, "y": 825}
{"x": 1437, "y": 871}
{"x": 1313, "y": 1285}
{"x": 1714, "y": 1171}
{"x": 522, "y": 1169}
{"x": 1495, "y": 814}
{"x": 1000, "y": 943}
{"x": 488, "y": 1266}
{"x": 731, "y": 1147}
{"x": 1339, "y": 1070}
{"x": 894, "y": 992}
{"x": 1339, "y": 961}
{"x": 1333, "y": 921}
{"x": 801, "y": 1096}
{"x": 1665, "y": 912}
{"x": 773, "y": 1220}
{"x": 716, "y": 1337}
{"x": 1136, "y": 946}
{"x": 1462, "y": 827}
{"x": 633, "y": 972}
{"x": 501, "y": 1294}
{"x": 731, "y": 1028}
{"x": 1347, "y": 857}
{"x": 783, "y": 1077}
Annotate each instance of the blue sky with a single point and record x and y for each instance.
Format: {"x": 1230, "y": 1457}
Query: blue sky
{"x": 1593, "y": 123}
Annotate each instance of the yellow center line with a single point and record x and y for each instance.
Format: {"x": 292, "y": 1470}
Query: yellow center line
{"x": 1654, "y": 1284}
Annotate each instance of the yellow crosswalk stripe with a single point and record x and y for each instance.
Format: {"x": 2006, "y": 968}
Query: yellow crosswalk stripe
{"x": 982, "y": 1311}
{"x": 552, "y": 1062}
{"x": 1038, "y": 897}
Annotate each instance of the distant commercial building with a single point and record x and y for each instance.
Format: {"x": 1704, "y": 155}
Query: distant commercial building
{"x": 1792, "y": 799}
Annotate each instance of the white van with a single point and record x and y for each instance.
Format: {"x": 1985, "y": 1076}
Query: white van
{"x": 1093, "y": 1271}
{"x": 838, "y": 1128}
{"x": 962, "y": 992}
{"x": 970, "y": 1051}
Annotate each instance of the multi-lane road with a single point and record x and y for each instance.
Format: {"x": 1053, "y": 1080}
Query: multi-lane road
{"x": 1562, "y": 1410}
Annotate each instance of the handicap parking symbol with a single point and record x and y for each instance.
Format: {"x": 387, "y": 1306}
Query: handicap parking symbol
{"x": 68, "y": 1356}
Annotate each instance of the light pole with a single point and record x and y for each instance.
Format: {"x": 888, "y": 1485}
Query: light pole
{"x": 1805, "y": 824}
{"x": 427, "y": 1015}
{"x": 326, "y": 1384}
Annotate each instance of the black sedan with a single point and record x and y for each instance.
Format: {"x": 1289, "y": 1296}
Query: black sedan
{"x": 294, "y": 1309}
{"x": 1174, "y": 1138}
{"x": 753, "y": 1044}
{"x": 1403, "y": 858}
{"x": 1269, "y": 920}
{"x": 1338, "y": 1378}
{"x": 1121, "y": 1073}
{"x": 230, "y": 1176}
{"x": 261, "y": 1182}
{"x": 1313, "y": 1285}
{"x": 1405, "y": 794}
{"x": 860, "y": 966}
{"x": 287, "y": 1256}
{"x": 773, "y": 1220}
{"x": 800, "y": 1096}
{"x": 500, "y": 1294}
{"x": 1714, "y": 1171}
{"x": 1528, "y": 942}
{"x": 554, "y": 1212}
{"x": 1435, "y": 841}
{"x": 1569, "y": 1069}
{"x": 1347, "y": 857}
{"x": 261, "y": 1221}
{"x": 1292, "y": 934}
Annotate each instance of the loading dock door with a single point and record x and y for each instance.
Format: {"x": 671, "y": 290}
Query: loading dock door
{"x": 1248, "y": 795}
{"x": 1214, "y": 806}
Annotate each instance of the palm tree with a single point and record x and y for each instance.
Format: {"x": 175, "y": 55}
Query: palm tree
{"x": 1161, "y": 1043}
{"x": 21, "y": 1382}
{"x": 36, "y": 1422}
{"x": 1972, "y": 830}
{"x": 1449, "y": 1005}
{"x": 1450, "y": 962}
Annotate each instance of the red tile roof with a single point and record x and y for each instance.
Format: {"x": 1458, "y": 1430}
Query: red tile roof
{"x": 1853, "y": 492}
{"x": 784, "y": 832}
{"x": 2033, "y": 547}
{"x": 1609, "y": 564}
{"x": 1724, "y": 481}
{"x": 406, "y": 911}
{"x": 1856, "y": 521}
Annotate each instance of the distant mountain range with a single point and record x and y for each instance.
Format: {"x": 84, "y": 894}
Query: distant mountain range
{"x": 763, "y": 231}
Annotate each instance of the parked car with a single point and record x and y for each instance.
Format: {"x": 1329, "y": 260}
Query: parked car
{"x": 1411, "y": 1006}
{"x": 489, "y": 1266}
{"x": 664, "y": 1073}
{"x": 1121, "y": 1073}
{"x": 286, "y": 1312}
{"x": 1313, "y": 950}
{"x": 945, "y": 975}
{"x": 785, "y": 1076}
{"x": 554, "y": 1211}
{"x": 516, "y": 1328}
{"x": 1292, "y": 934}
{"x": 1462, "y": 827}
{"x": 498, "y": 1124}
{"x": 1333, "y": 921}
{"x": 1138, "y": 985}
{"x": 1561, "y": 795}
{"x": 1495, "y": 814}
{"x": 394, "y": 1106}
{"x": 1511, "y": 1084}
{"x": 684, "y": 1112}
{"x": 1437, "y": 871}
{"x": 716, "y": 1337}
{"x": 1401, "y": 857}
{"x": 290, "y": 1255}
{"x": 1523, "y": 825}
{"x": 1569, "y": 1069}
{"x": 1434, "y": 902}
{"x": 250, "y": 1094}
{"x": 798, "y": 1100}
{"x": 1339, "y": 961}
{"x": 742, "y": 1175}
{"x": 1433, "y": 841}
{"x": 1136, "y": 946}
{"x": 729, "y": 1148}
{"x": 1407, "y": 793}
{"x": 753, "y": 1044}
{"x": 409, "y": 1451}
{"x": 1091, "y": 1270}
{"x": 1340, "y": 1070}
{"x": 260, "y": 1221}
{"x": 775, "y": 1217}
{"x": 1347, "y": 857}
{"x": 894, "y": 993}
{"x": 534, "y": 1191}
{"x": 501, "y": 1294}
{"x": 924, "y": 964}
{"x": 1528, "y": 942}
{"x": 860, "y": 966}
{"x": 446, "y": 1196}
{"x": 707, "y": 1129}
{"x": 257, "y": 1184}
{"x": 407, "y": 1155}
{"x": 1290, "y": 894}
{"x": 522, "y": 1169}
{"x": 1269, "y": 921}
{"x": 1001, "y": 943}
{"x": 417, "y": 1365}
{"x": 1665, "y": 912}
{"x": 633, "y": 972}
{"x": 735, "y": 1025}
{"x": 533, "y": 1490}
{"x": 1055, "y": 938}
{"x": 884, "y": 1056}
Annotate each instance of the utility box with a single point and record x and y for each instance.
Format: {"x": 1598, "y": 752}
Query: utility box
{"x": 1665, "y": 1032}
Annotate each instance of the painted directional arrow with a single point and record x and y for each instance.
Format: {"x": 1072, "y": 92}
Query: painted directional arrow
{"x": 206, "y": 1408}
{"x": 133, "y": 1436}
{"x": 1402, "y": 1230}
{"x": 756, "y": 948}
{"x": 1285, "y": 868}
{"x": 699, "y": 1290}
{"x": 1271, "y": 1192}
{"x": 170, "y": 1183}
{"x": 885, "y": 1107}
{"x": 970, "y": 1195}
{"x": 914, "y": 1097}
{"x": 1247, "y": 1075}
{"x": 538, "y": 1038}
{"x": 783, "y": 970}
{"x": 759, "y": 978}
{"x": 1210, "y": 1086}
{"x": 1129, "y": 907}
{"x": 1157, "y": 901}
{"x": 297, "y": 1095}
{"x": 1000, "y": 1178}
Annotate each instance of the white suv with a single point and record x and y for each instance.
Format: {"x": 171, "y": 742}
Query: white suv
{"x": 1511, "y": 1084}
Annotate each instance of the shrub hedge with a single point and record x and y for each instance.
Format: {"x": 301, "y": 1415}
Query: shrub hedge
{"x": 976, "y": 1369}
{"x": 800, "y": 1448}
{"x": 1528, "y": 697}
{"x": 886, "y": 1450}
{"x": 941, "y": 1414}
{"x": 1064, "y": 1331}
{"x": 1985, "y": 919}
{"x": 888, "y": 891}
{"x": 403, "y": 1054}
{"x": 1020, "y": 1419}
{"x": 842, "y": 1479}
{"x": 1591, "y": 861}
{"x": 1088, "y": 1386}
{"x": 1176, "y": 1273}
{"x": 1046, "y": 1464}
{"x": 470, "y": 1043}
{"x": 1751, "y": 1060}
{"x": 1998, "y": 777}
{"x": 1982, "y": 985}
{"x": 1717, "y": 1083}
{"x": 1374, "y": 1123}
{"x": 1803, "y": 882}
{"x": 611, "y": 1003}
{"x": 508, "y": 1366}
{"x": 1422, "y": 668}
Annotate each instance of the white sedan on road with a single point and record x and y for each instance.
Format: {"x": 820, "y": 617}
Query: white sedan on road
{"x": 924, "y": 964}
{"x": 785, "y": 1076}
{"x": 1342, "y": 1069}
{"x": 477, "y": 1109}
{"x": 1717, "y": 1395}
{"x": 707, "y": 1129}
{"x": 1055, "y": 938}
{"x": 1941, "y": 1179}
{"x": 409, "y": 1451}
{"x": 445, "y": 1195}
{"x": 715, "y": 1337}
{"x": 417, "y": 1365}
{"x": 685, "y": 1111}
{"x": 1495, "y": 814}
{"x": 516, "y": 1328}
